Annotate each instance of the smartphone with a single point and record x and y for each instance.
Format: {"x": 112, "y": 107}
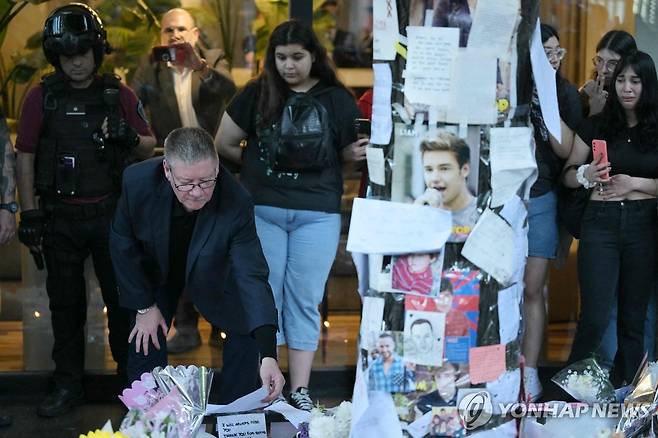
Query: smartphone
{"x": 362, "y": 128}
{"x": 600, "y": 149}
{"x": 175, "y": 54}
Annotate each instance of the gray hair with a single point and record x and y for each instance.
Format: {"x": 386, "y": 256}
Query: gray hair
{"x": 189, "y": 145}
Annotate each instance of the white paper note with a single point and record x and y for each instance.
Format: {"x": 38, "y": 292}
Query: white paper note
{"x": 359, "y": 395}
{"x": 505, "y": 389}
{"x": 473, "y": 88}
{"x": 382, "y": 227}
{"x": 490, "y": 246}
{"x": 419, "y": 428}
{"x": 380, "y": 419}
{"x": 293, "y": 415}
{"x": 494, "y": 22}
{"x": 243, "y": 425}
{"x": 430, "y": 56}
{"x": 385, "y": 29}
{"x": 512, "y": 162}
{"x": 382, "y": 123}
{"x": 544, "y": 75}
{"x": 248, "y": 402}
{"x": 376, "y": 165}
{"x": 371, "y": 321}
{"x": 509, "y": 315}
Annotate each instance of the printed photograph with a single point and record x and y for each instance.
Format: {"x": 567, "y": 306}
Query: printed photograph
{"x": 423, "y": 337}
{"x": 388, "y": 370}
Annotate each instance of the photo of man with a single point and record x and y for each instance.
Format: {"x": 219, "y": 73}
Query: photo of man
{"x": 446, "y": 381}
{"x": 423, "y": 337}
{"x": 388, "y": 371}
{"x": 415, "y": 273}
{"x": 446, "y": 166}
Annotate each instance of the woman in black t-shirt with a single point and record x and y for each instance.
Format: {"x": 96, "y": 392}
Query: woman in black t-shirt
{"x": 297, "y": 209}
{"x": 617, "y": 250}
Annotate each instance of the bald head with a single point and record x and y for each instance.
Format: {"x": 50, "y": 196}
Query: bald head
{"x": 177, "y": 26}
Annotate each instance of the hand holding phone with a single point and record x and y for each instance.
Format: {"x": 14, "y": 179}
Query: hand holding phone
{"x": 600, "y": 153}
{"x": 362, "y": 128}
{"x": 182, "y": 55}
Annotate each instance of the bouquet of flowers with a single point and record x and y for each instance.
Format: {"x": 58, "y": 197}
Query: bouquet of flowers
{"x": 328, "y": 423}
{"x": 168, "y": 402}
{"x": 586, "y": 381}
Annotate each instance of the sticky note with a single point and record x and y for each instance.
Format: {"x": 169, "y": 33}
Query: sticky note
{"x": 486, "y": 364}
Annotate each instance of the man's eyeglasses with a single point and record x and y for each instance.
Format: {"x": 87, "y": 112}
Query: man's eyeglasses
{"x": 609, "y": 64}
{"x": 203, "y": 184}
{"x": 557, "y": 53}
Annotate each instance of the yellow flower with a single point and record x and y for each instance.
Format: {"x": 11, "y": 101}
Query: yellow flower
{"x": 103, "y": 434}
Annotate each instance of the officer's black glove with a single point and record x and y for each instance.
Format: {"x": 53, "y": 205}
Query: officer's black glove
{"x": 120, "y": 132}
{"x": 30, "y": 228}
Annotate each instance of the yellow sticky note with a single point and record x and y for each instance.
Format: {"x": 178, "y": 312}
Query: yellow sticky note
{"x": 402, "y": 51}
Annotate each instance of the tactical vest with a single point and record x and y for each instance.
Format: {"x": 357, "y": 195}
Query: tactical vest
{"x": 68, "y": 162}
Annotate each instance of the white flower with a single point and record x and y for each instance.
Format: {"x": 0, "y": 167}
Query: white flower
{"x": 343, "y": 417}
{"x": 322, "y": 427}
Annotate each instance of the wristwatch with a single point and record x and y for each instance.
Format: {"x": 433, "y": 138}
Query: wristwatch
{"x": 11, "y": 207}
{"x": 143, "y": 311}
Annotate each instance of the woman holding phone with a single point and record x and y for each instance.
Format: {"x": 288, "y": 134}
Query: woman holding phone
{"x": 297, "y": 209}
{"x": 617, "y": 250}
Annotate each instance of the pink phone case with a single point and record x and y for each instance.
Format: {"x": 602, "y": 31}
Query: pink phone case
{"x": 600, "y": 149}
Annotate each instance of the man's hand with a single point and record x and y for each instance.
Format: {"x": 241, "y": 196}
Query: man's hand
{"x": 431, "y": 197}
{"x": 30, "y": 229}
{"x": 7, "y": 226}
{"x": 118, "y": 130}
{"x": 272, "y": 378}
{"x": 146, "y": 330}
{"x": 186, "y": 56}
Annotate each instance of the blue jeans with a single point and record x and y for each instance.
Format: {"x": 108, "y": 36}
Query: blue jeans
{"x": 608, "y": 347}
{"x": 300, "y": 247}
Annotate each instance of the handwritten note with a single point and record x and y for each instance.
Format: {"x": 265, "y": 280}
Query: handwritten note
{"x": 293, "y": 415}
{"x": 512, "y": 162}
{"x": 382, "y": 227}
{"x": 371, "y": 321}
{"x": 486, "y": 363}
{"x": 243, "y": 425}
{"x": 431, "y": 52}
{"x": 490, "y": 246}
{"x": 544, "y": 75}
{"x": 382, "y": 123}
{"x": 385, "y": 29}
{"x": 509, "y": 314}
{"x": 473, "y": 88}
{"x": 494, "y": 22}
{"x": 376, "y": 165}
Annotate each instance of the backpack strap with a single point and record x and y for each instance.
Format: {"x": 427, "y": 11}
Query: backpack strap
{"x": 54, "y": 87}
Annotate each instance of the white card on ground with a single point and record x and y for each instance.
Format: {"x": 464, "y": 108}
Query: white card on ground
{"x": 430, "y": 55}
{"x": 293, "y": 415}
{"x": 473, "y": 88}
{"x": 509, "y": 313}
{"x": 246, "y": 403}
{"x": 493, "y": 25}
{"x": 490, "y": 246}
{"x": 376, "y": 165}
{"x": 382, "y": 123}
{"x": 384, "y": 30}
{"x": 544, "y": 75}
{"x": 512, "y": 162}
{"x": 383, "y": 227}
{"x": 243, "y": 425}
{"x": 379, "y": 420}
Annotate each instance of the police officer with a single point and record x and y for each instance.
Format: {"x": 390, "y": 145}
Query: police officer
{"x": 77, "y": 132}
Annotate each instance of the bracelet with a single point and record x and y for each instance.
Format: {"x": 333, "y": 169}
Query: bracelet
{"x": 580, "y": 177}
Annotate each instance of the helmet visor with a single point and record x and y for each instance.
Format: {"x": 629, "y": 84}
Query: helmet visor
{"x": 70, "y": 22}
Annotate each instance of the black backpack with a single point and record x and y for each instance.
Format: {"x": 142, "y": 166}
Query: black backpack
{"x": 303, "y": 139}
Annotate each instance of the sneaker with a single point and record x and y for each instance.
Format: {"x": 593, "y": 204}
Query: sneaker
{"x": 532, "y": 385}
{"x": 183, "y": 342}
{"x": 301, "y": 399}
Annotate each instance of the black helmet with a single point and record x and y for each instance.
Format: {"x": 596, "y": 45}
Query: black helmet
{"x": 74, "y": 29}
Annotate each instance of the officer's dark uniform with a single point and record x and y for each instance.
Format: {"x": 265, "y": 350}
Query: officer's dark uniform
{"x": 77, "y": 176}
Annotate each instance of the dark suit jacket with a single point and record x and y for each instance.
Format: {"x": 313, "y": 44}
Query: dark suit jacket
{"x": 154, "y": 84}
{"x": 226, "y": 273}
